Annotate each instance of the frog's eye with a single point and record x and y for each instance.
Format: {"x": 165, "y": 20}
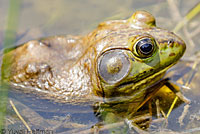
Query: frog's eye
{"x": 144, "y": 47}
{"x": 113, "y": 65}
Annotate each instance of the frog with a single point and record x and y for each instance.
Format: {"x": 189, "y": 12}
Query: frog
{"x": 117, "y": 62}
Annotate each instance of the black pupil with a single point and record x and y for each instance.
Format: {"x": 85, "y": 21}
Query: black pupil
{"x": 146, "y": 48}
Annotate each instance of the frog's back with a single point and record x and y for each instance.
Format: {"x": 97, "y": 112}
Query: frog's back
{"x": 55, "y": 66}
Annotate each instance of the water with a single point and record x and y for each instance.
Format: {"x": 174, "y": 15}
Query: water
{"x": 45, "y": 18}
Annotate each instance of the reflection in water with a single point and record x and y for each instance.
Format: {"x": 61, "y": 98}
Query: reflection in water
{"x": 104, "y": 117}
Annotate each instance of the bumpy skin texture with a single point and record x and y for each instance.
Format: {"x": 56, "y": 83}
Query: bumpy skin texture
{"x": 65, "y": 67}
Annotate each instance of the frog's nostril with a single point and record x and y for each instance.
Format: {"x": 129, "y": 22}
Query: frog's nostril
{"x": 170, "y": 43}
{"x": 172, "y": 54}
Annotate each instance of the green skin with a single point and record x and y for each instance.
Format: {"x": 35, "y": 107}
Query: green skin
{"x": 65, "y": 68}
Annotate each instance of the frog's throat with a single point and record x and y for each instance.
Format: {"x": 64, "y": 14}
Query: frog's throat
{"x": 138, "y": 91}
{"x": 143, "y": 84}
{"x": 156, "y": 76}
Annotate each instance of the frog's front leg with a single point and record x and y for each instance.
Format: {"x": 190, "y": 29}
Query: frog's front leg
{"x": 110, "y": 120}
{"x": 110, "y": 123}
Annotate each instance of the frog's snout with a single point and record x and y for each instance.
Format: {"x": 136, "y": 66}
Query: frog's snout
{"x": 177, "y": 47}
{"x": 171, "y": 50}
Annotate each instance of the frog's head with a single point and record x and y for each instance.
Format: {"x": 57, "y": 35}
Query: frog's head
{"x": 128, "y": 64}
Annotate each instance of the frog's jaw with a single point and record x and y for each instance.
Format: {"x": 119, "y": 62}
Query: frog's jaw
{"x": 134, "y": 92}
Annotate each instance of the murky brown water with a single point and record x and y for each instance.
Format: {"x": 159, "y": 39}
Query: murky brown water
{"x": 41, "y": 18}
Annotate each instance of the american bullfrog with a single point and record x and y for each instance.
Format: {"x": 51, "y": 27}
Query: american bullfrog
{"x": 119, "y": 59}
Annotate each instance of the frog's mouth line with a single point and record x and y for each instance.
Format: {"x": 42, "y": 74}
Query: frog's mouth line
{"x": 134, "y": 84}
{"x": 134, "y": 96}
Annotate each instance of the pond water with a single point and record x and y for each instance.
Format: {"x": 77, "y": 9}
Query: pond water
{"x": 42, "y": 18}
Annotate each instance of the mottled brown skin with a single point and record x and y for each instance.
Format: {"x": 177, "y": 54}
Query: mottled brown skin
{"x": 64, "y": 67}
